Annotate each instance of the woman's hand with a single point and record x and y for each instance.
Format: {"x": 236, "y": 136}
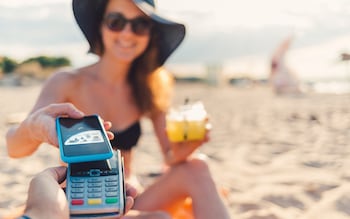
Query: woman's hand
{"x": 42, "y": 124}
{"x": 40, "y": 127}
{"x": 176, "y": 152}
{"x": 180, "y": 151}
{"x": 107, "y": 126}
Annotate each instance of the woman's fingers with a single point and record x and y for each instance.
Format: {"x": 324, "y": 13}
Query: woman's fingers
{"x": 66, "y": 109}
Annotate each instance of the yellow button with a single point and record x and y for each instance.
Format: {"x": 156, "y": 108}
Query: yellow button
{"x": 94, "y": 201}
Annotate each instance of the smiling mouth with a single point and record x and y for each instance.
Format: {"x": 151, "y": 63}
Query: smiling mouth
{"x": 125, "y": 44}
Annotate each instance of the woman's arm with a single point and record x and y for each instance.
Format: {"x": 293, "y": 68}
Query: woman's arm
{"x": 38, "y": 127}
{"x": 173, "y": 152}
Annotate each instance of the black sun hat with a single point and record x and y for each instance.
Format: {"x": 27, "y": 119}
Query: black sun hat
{"x": 88, "y": 15}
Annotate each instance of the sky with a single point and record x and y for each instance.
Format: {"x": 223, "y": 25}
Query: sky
{"x": 237, "y": 36}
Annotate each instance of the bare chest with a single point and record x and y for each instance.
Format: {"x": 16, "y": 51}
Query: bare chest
{"x": 112, "y": 104}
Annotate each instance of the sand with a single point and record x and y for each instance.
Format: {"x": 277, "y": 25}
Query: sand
{"x": 273, "y": 157}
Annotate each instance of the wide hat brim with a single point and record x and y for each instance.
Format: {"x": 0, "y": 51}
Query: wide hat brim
{"x": 170, "y": 33}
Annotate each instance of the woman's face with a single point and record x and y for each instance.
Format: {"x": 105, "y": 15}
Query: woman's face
{"x": 124, "y": 44}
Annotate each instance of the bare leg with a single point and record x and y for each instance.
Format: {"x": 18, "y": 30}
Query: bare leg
{"x": 146, "y": 215}
{"x": 190, "y": 179}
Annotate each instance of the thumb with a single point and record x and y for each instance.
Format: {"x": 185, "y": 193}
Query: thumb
{"x": 58, "y": 173}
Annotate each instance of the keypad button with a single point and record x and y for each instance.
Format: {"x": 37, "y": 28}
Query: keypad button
{"x": 111, "y": 194}
{"x": 94, "y": 180}
{"x": 77, "y": 185}
{"x": 111, "y": 184}
{"x": 94, "y": 201}
{"x": 95, "y": 172}
{"x": 90, "y": 185}
{"x": 111, "y": 189}
{"x": 77, "y": 195}
{"x": 95, "y": 195}
{"x": 91, "y": 190}
{"x": 111, "y": 200}
{"x": 111, "y": 179}
{"x": 77, "y": 190}
{"x": 77, "y": 180}
{"x": 104, "y": 173}
{"x": 77, "y": 202}
{"x": 112, "y": 172}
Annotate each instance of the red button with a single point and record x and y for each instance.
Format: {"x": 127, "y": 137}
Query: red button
{"x": 77, "y": 202}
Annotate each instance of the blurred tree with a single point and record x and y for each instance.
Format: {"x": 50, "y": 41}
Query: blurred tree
{"x": 8, "y": 65}
{"x": 47, "y": 62}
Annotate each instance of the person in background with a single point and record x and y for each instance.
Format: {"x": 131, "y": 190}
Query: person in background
{"x": 126, "y": 84}
{"x": 282, "y": 79}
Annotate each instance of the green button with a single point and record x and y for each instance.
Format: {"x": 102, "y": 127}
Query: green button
{"x": 111, "y": 200}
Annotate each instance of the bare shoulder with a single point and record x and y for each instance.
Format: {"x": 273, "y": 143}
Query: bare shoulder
{"x": 59, "y": 85}
{"x": 57, "y": 88}
{"x": 63, "y": 76}
{"x": 66, "y": 78}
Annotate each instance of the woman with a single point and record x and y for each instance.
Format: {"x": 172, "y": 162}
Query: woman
{"x": 125, "y": 84}
{"x": 283, "y": 80}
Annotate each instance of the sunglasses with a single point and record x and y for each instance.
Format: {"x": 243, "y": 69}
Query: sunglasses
{"x": 140, "y": 25}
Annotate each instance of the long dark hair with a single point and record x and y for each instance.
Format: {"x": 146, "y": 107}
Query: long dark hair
{"x": 140, "y": 78}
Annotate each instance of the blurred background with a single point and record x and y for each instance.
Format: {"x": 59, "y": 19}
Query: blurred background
{"x": 234, "y": 39}
{"x": 272, "y": 156}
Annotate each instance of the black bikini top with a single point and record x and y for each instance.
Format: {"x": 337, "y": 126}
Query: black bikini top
{"x": 127, "y": 138}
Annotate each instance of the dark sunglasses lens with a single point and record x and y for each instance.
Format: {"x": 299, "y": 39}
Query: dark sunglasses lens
{"x": 116, "y": 22}
{"x": 141, "y": 26}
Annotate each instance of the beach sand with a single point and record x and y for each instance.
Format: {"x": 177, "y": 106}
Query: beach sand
{"x": 273, "y": 157}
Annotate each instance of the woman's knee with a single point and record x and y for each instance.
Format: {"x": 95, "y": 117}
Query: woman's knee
{"x": 196, "y": 169}
{"x": 158, "y": 215}
{"x": 162, "y": 215}
{"x": 147, "y": 215}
